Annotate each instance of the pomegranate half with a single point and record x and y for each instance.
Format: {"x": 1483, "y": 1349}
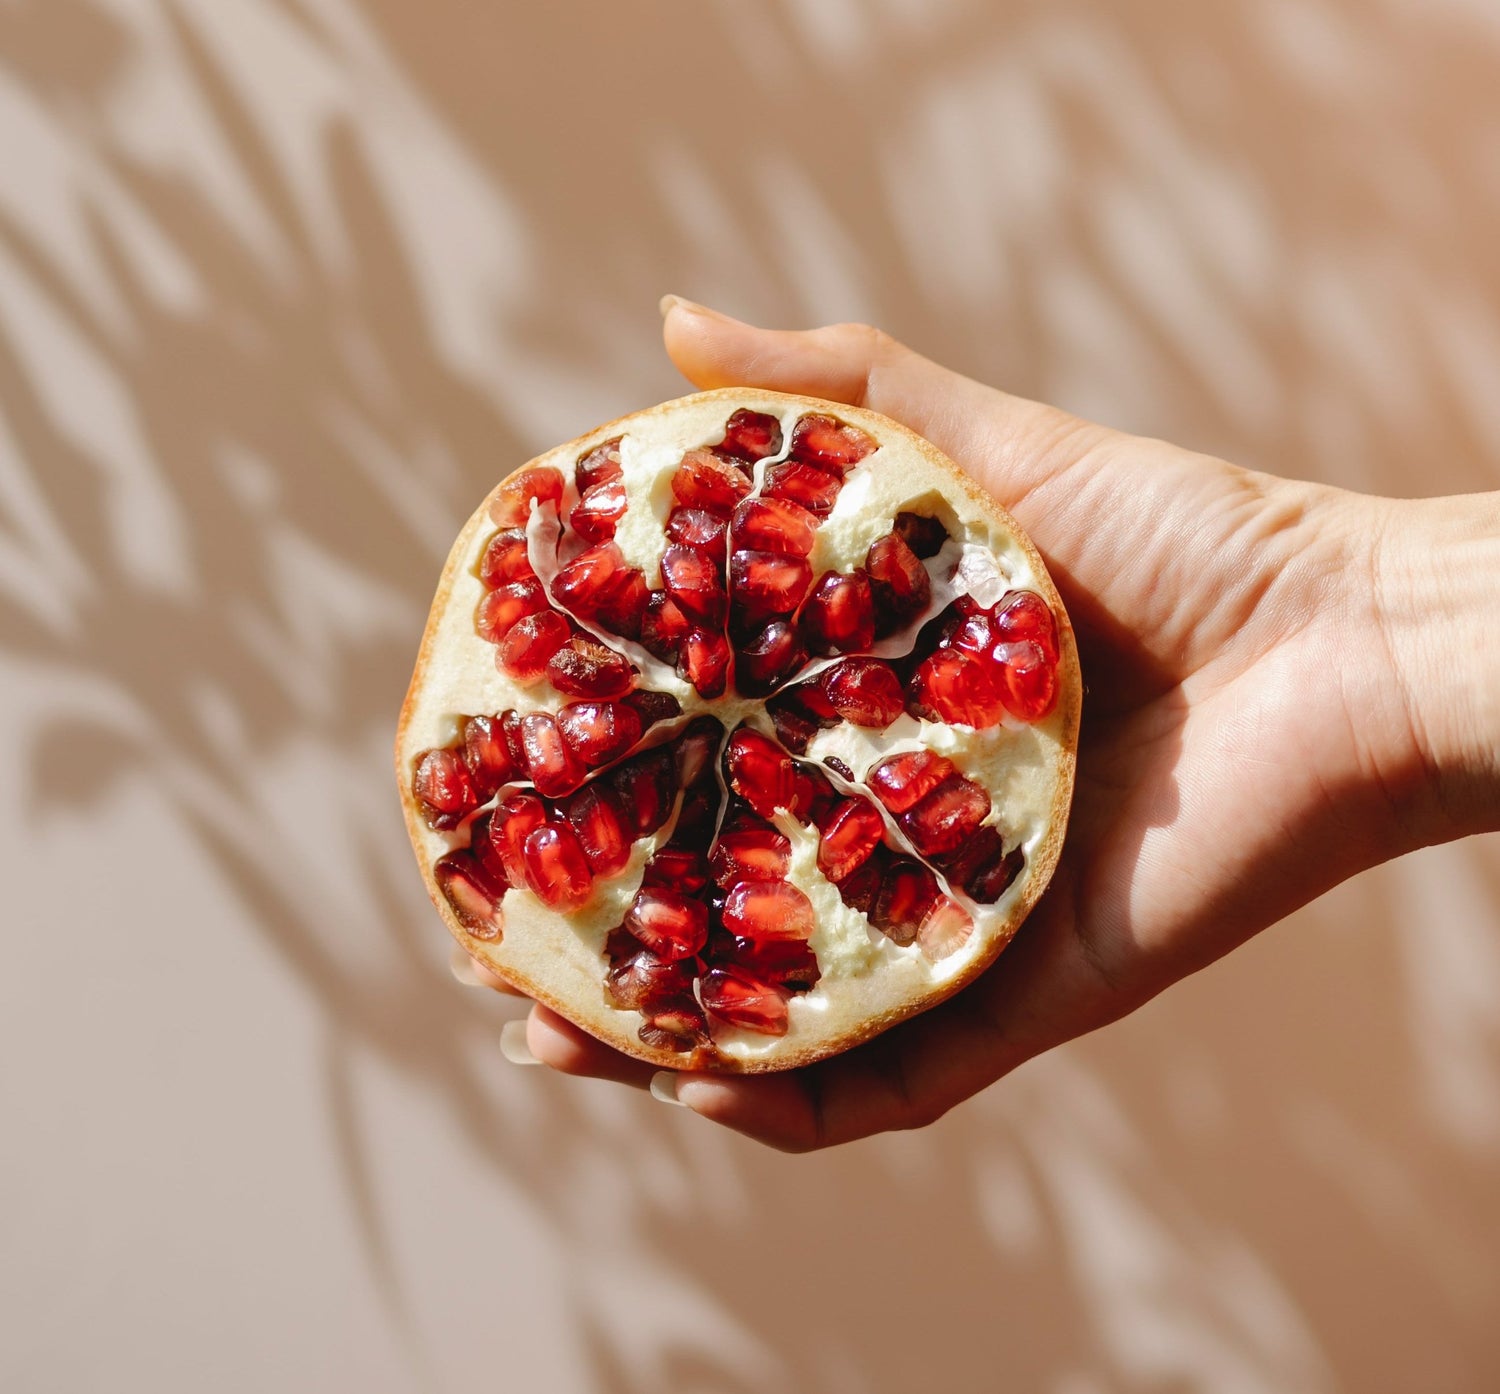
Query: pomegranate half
{"x": 742, "y": 729}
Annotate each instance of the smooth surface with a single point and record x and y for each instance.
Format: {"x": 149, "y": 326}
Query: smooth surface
{"x": 284, "y": 286}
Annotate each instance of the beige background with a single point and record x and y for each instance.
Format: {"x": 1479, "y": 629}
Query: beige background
{"x": 284, "y": 285}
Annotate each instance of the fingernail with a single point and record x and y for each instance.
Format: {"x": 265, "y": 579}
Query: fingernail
{"x": 513, "y": 1044}
{"x": 462, "y": 968}
{"x": 664, "y": 1087}
{"x": 668, "y": 303}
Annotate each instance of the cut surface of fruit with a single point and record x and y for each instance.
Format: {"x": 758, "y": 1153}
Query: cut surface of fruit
{"x": 743, "y": 728}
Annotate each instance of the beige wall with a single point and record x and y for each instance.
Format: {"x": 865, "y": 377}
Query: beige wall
{"x": 284, "y": 285}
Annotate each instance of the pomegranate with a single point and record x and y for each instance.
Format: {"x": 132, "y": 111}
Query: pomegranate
{"x": 742, "y": 729}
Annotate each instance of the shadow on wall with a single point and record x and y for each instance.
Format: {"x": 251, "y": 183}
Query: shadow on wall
{"x": 286, "y": 284}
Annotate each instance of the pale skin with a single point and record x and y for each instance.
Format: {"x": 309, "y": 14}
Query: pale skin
{"x": 1286, "y": 684}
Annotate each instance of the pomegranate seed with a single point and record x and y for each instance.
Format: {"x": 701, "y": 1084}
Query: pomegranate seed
{"x": 600, "y": 466}
{"x": 501, "y": 608}
{"x": 768, "y": 910}
{"x": 788, "y": 963}
{"x": 769, "y": 660}
{"x": 702, "y": 531}
{"x": 907, "y": 891}
{"x": 974, "y": 635}
{"x": 851, "y": 832}
{"x": 1022, "y": 616}
{"x": 670, "y": 924}
{"x": 678, "y": 1026}
{"x": 752, "y": 851}
{"x": 982, "y": 868}
{"x": 925, "y": 536}
{"x": 705, "y": 481}
{"x": 740, "y": 1000}
{"x": 901, "y": 781}
{"x": 830, "y": 444}
{"x": 750, "y": 435}
{"x": 682, "y": 868}
{"x": 664, "y": 627}
{"x": 952, "y": 687}
{"x": 815, "y": 489}
{"x": 764, "y": 585}
{"x": 486, "y": 757}
{"x": 556, "y": 869}
{"x": 899, "y": 582}
{"x": 597, "y": 818}
{"x": 647, "y": 786}
{"x": 597, "y": 512}
{"x": 510, "y": 731}
{"x": 513, "y": 822}
{"x": 583, "y": 668}
{"x": 774, "y": 525}
{"x": 512, "y": 505}
{"x": 695, "y": 819}
{"x": 838, "y": 766}
{"x": 864, "y": 691}
{"x": 530, "y": 644}
{"x": 839, "y": 616}
{"x": 795, "y": 725}
{"x": 443, "y": 787}
{"x": 944, "y": 929}
{"x": 695, "y": 749}
{"x": 505, "y": 559}
{"x": 949, "y": 814}
{"x": 643, "y": 979}
{"x": 859, "y": 889}
{"x": 652, "y": 706}
{"x": 760, "y": 772}
{"x": 695, "y": 583}
{"x": 583, "y": 583}
{"x": 1027, "y": 680}
{"x": 598, "y": 732}
{"x": 813, "y": 794}
{"x": 468, "y": 890}
{"x": 705, "y": 661}
{"x": 622, "y": 607}
{"x": 553, "y": 767}
{"x": 482, "y": 845}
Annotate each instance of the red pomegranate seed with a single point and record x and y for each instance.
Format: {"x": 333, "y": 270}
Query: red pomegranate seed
{"x": 750, "y": 435}
{"x": 598, "y": 732}
{"x": 556, "y": 869}
{"x": 982, "y": 868}
{"x": 705, "y": 661}
{"x": 501, "y": 608}
{"x": 583, "y": 583}
{"x": 788, "y": 963}
{"x": 705, "y": 481}
{"x": 644, "y": 979}
{"x": 486, "y": 756}
{"x": 702, "y": 531}
{"x": 652, "y": 706}
{"x": 443, "y": 787}
{"x": 695, "y": 583}
{"x": 774, "y": 525}
{"x": 505, "y": 559}
{"x": 907, "y": 892}
{"x": 899, "y": 582}
{"x": 974, "y": 635}
{"x": 670, "y": 924}
{"x": 482, "y": 846}
{"x": 839, "y": 616}
{"x": 952, "y": 812}
{"x": 600, "y": 466}
{"x": 743, "y": 1001}
{"x": 760, "y": 771}
{"x": 795, "y": 725}
{"x": 925, "y": 536}
{"x": 469, "y": 891}
{"x": 597, "y": 512}
{"x": 815, "y": 489}
{"x": 768, "y": 660}
{"x": 676, "y": 1026}
{"x": 510, "y": 731}
{"x": 596, "y": 816}
{"x": 695, "y": 818}
{"x": 750, "y": 852}
{"x": 859, "y": 889}
{"x": 553, "y": 767}
{"x": 647, "y": 786}
{"x": 864, "y": 691}
{"x": 513, "y": 822}
{"x": 768, "y": 910}
{"x": 763, "y": 585}
{"x": 813, "y": 794}
{"x": 900, "y": 781}
{"x": 623, "y": 605}
{"x": 583, "y": 668}
{"x": 694, "y": 750}
{"x": 851, "y": 832}
{"x": 838, "y": 766}
{"x": 1027, "y": 680}
{"x": 682, "y": 868}
{"x": 664, "y": 627}
{"x": 829, "y": 443}
{"x": 512, "y": 505}
{"x": 945, "y": 928}
{"x": 530, "y": 644}
{"x": 950, "y": 686}
{"x": 1024, "y": 615}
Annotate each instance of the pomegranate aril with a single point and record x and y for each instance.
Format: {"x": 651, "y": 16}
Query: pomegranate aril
{"x": 597, "y": 818}
{"x": 672, "y": 925}
{"x": 598, "y": 732}
{"x": 482, "y": 847}
{"x": 600, "y": 466}
{"x": 512, "y": 505}
{"x": 583, "y": 668}
{"x": 1026, "y": 678}
{"x": 768, "y": 660}
{"x": 788, "y": 963}
{"x": 664, "y": 627}
{"x": 643, "y": 978}
{"x": 851, "y": 832}
{"x": 859, "y": 889}
{"x": 900, "y": 781}
{"x": 899, "y": 582}
{"x": 647, "y": 786}
{"x": 599, "y": 510}
{"x": 774, "y": 525}
{"x": 981, "y": 867}
{"x": 682, "y": 868}
{"x": 623, "y": 605}
{"x": 740, "y": 1000}
{"x": 696, "y": 584}
{"x": 839, "y": 615}
{"x": 652, "y": 706}
{"x": 815, "y": 489}
{"x": 864, "y": 691}
{"x": 695, "y": 748}
{"x": 907, "y": 892}
{"x": 813, "y": 794}
{"x": 530, "y": 644}
{"x": 1022, "y": 616}
{"x": 695, "y": 818}
{"x": 582, "y": 585}
{"x": 944, "y": 929}
{"x": 952, "y": 812}
{"x": 511, "y": 824}
{"x": 505, "y": 559}
{"x": 678, "y": 1027}
{"x": 470, "y": 892}
{"x": 925, "y": 536}
{"x": 705, "y": 661}
{"x": 750, "y": 435}
{"x": 829, "y": 443}
{"x": 443, "y": 787}
{"x": 510, "y": 732}
{"x": 763, "y": 585}
{"x": 487, "y": 756}
{"x": 795, "y": 724}
{"x": 556, "y": 869}
{"x": 838, "y": 766}
{"x": 760, "y": 771}
{"x": 501, "y": 608}
{"x": 768, "y": 910}
{"x": 704, "y": 481}
{"x": 952, "y": 687}
{"x": 751, "y": 851}
{"x": 550, "y": 761}
{"x": 702, "y": 531}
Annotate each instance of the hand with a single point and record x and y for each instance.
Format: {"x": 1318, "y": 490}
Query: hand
{"x": 1251, "y": 647}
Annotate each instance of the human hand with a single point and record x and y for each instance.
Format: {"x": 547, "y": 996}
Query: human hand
{"x": 1268, "y": 712}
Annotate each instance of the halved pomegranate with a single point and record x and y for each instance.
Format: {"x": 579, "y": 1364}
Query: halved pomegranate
{"x": 742, "y": 728}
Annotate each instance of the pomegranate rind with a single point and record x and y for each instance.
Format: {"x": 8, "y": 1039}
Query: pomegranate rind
{"x": 556, "y": 958}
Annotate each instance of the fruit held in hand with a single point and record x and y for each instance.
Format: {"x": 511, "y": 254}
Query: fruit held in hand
{"x": 742, "y": 729}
